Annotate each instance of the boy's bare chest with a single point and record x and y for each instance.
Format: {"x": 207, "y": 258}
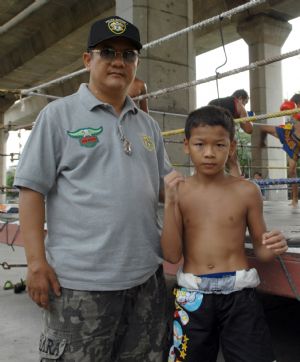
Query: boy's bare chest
{"x": 225, "y": 208}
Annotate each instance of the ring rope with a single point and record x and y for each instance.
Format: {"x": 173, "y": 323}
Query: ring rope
{"x": 275, "y": 189}
{"x": 261, "y": 117}
{"x": 245, "y": 166}
{"x": 226, "y": 14}
{"x": 11, "y": 127}
{"x": 164, "y": 91}
{"x": 8, "y": 189}
{"x": 9, "y": 154}
{"x": 207, "y": 22}
{"x": 193, "y": 83}
{"x": 181, "y": 130}
{"x": 43, "y": 95}
{"x": 277, "y": 181}
{"x": 51, "y": 82}
{"x": 4, "y": 92}
{"x": 180, "y": 86}
{"x": 168, "y": 113}
{"x": 243, "y": 119}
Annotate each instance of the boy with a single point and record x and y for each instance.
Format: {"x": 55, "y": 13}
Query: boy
{"x": 205, "y": 220}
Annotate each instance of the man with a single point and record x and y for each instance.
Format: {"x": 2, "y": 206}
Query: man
{"x": 235, "y": 104}
{"x": 137, "y": 88}
{"x": 241, "y": 95}
{"x": 98, "y": 162}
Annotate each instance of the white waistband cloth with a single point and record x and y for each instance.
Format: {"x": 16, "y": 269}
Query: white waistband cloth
{"x": 223, "y": 285}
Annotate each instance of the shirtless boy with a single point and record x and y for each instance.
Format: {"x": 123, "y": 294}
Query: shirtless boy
{"x": 205, "y": 220}
{"x": 137, "y": 88}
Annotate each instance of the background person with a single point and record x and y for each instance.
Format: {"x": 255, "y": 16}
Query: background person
{"x": 97, "y": 163}
{"x": 137, "y": 88}
{"x": 289, "y": 137}
{"x": 258, "y": 176}
{"x": 236, "y": 106}
{"x": 242, "y": 96}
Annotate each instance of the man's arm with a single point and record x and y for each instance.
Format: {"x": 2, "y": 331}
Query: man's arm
{"x": 246, "y": 126}
{"x": 144, "y": 102}
{"x": 171, "y": 238}
{"x": 40, "y": 275}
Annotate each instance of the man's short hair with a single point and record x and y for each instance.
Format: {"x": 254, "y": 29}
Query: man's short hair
{"x": 240, "y": 93}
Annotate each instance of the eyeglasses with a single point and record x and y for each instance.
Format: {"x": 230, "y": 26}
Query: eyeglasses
{"x": 109, "y": 54}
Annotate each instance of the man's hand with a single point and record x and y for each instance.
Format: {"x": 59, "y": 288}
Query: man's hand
{"x": 40, "y": 279}
{"x": 275, "y": 241}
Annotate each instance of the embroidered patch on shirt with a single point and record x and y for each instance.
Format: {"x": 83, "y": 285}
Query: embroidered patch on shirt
{"x": 87, "y": 136}
{"x": 148, "y": 142}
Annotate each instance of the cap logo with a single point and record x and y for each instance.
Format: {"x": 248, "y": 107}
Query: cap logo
{"x": 116, "y": 26}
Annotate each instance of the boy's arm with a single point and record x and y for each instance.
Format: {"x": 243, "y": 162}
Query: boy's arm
{"x": 40, "y": 275}
{"x": 171, "y": 238}
{"x": 266, "y": 244}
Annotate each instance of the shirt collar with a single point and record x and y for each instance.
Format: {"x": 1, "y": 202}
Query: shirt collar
{"x": 90, "y": 101}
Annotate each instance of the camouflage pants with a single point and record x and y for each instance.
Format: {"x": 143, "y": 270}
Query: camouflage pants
{"x": 110, "y": 326}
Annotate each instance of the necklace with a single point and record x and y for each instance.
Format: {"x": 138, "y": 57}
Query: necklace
{"x": 127, "y": 145}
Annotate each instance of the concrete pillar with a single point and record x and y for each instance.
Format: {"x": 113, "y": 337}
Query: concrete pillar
{"x": 168, "y": 64}
{"x": 265, "y": 37}
{"x": 5, "y": 103}
{"x": 3, "y": 139}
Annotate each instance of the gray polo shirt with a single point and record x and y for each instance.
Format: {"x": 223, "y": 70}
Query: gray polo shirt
{"x": 101, "y": 203}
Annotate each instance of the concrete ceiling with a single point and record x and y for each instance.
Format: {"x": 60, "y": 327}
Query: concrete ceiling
{"x": 47, "y": 40}
{"x": 209, "y": 38}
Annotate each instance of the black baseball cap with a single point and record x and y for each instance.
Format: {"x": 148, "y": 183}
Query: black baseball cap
{"x": 113, "y": 27}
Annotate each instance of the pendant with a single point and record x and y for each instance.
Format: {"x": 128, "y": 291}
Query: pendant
{"x": 127, "y": 147}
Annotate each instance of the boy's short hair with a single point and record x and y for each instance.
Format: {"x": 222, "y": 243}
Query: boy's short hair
{"x": 210, "y": 116}
{"x": 240, "y": 93}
